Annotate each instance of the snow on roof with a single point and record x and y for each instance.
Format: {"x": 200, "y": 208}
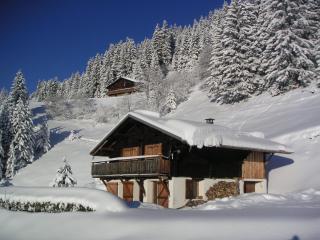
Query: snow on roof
{"x": 201, "y": 134}
{"x": 127, "y": 78}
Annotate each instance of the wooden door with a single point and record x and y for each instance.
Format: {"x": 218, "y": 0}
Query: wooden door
{"x": 249, "y": 187}
{"x": 153, "y": 149}
{"x": 131, "y": 151}
{"x": 112, "y": 187}
{"x": 128, "y": 191}
{"x": 192, "y": 189}
{"x": 161, "y": 193}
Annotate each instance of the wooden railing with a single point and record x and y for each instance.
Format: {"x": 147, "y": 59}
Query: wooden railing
{"x": 131, "y": 166}
{"x": 121, "y": 91}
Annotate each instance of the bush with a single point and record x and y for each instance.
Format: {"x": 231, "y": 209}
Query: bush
{"x": 47, "y": 206}
{"x": 223, "y": 189}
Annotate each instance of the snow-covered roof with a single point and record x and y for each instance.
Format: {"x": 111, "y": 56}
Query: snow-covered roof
{"x": 127, "y": 78}
{"x": 201, "y": 134}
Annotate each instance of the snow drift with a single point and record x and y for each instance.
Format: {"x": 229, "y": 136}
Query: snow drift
{"x": 98, "y": 200}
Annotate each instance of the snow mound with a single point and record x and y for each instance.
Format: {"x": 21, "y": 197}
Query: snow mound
{"x": 98, "y": 200}
{"x": 306, "y": 198}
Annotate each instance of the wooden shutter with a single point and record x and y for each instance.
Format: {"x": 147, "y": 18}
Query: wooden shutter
{"x": 153, "y": 149}
{"x": 131, "y": 151}
{"x": 112, "y": 187}
{"x": 161, "y": 193}
{"x": 128, "y": 191}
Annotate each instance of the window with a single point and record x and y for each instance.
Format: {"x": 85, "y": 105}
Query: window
{"x": 192, "y": 189}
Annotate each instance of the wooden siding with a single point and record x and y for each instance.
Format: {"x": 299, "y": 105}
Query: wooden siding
{"x": 253, "y": 166}
{"x": 122, "y": 91}
{"x": 120, "y": 87}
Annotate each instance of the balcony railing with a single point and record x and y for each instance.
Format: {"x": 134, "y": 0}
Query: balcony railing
{"x": 154, "y": 165}
{"x": 121, "y": 91}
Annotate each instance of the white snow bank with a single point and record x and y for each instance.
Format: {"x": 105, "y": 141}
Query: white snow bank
{"x": 308, "y": 198}
{"x": 96, "y": 199}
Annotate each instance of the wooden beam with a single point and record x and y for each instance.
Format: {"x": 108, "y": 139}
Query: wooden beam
{"x": 140, "y": 182}
{"x": 104, "y": 182}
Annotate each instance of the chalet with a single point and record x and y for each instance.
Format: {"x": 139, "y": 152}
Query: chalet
{"x": 122, "y": 86}
{"x": 167, "y": 161}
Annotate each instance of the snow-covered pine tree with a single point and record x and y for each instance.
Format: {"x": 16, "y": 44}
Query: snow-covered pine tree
{"x": 288, "y": 57}
{"x": 232, "y": 86}
{"x": 170, "y": 103}
{"x": 18, "y": 89}
{"x": 3, "y": 95}
{"x": 64, "y": 176}
{"x": 22, "y": 146}
{"x": 215, "y": 64}
{"x": 6, "y": 127}
{"x": 42, "y": 138}
{"x": 2, "y": 156}
{"x": 249, "y": 12}
{"x": 162, "y": 44}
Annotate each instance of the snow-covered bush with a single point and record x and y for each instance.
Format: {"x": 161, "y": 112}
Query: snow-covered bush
{"x": 46, "y": 206}
{"x": 71, "y": 109}
{"x": 64, "y": 176}
{"x": 73, "y": 136}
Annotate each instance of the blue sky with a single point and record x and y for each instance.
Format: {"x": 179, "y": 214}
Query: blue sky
{"x": 57, "y": 37}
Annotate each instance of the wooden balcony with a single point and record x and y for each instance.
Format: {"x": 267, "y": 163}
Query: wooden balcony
{"x": 128, "y": 167}
{"x": 121, "y": 91}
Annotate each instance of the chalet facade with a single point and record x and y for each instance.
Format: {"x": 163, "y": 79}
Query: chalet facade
{"x": 123, "y": 86}
{"x": 169, "y": 161}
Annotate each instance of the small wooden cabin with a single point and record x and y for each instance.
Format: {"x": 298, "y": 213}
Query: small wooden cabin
{"x": 169, "y": 161}
{"x": 122, "y": 86}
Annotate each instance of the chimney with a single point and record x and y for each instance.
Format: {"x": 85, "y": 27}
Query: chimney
{"x": 209, "y": 120}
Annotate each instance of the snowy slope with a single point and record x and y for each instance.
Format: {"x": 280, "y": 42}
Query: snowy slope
{"x": 292, "y": 119}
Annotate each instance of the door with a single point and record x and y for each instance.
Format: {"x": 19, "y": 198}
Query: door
{"x": 153, "y": 149}
{"x": 112, "y": 187}
{"x": 192, "y": 189}
{"x": 161, "y": 193}
{"x": 127, "y": 191}
{"x": 249, "y": 187}
{"x": 131, "y": 151}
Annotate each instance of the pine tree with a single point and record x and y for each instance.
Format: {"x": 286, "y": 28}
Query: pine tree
{"x": 287, "y": 58}
{"x": 162, "y": 44}
{"x": 2, "y": 156}
{"x": 170, "y": 102}
{"x": 42, "y": 138}
{"x": 3, "y": 95}
{"x": 18, "y": 89}
{"x": 6, "y": 127}
{"x": 64, "y": 176}
{"x": 22, "y": 145}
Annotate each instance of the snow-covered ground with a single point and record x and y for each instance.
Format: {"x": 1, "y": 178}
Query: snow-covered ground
{"x": 252, "y": 216}
{"x": 292, "y": 119}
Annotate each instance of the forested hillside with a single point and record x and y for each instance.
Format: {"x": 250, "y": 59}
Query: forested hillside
{"x": 243, "y": 49}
